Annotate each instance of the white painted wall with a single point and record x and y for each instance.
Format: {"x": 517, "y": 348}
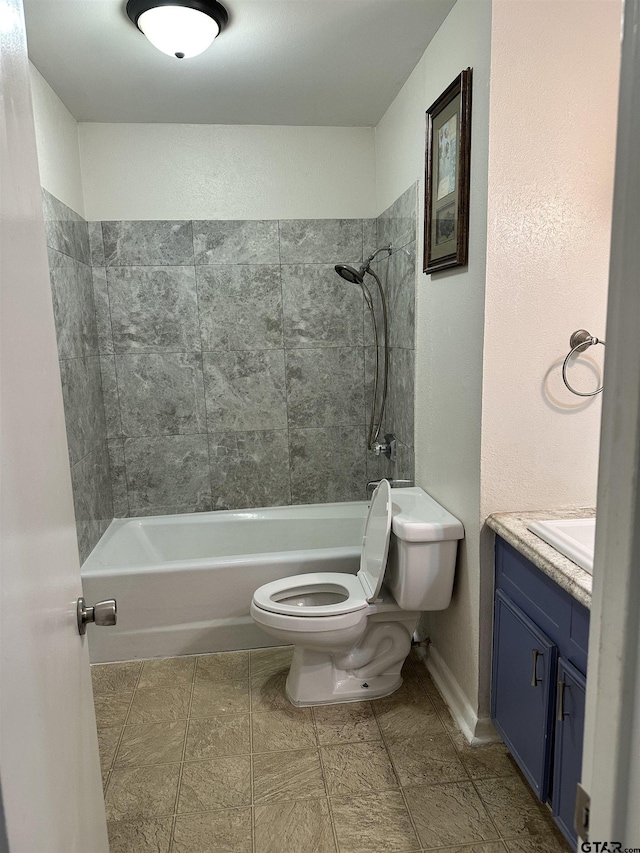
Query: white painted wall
{"x": 495, "y": 428}
{"x": 183, "y": 171}
{"x": 449, "y": 322}
{"x": 551, "y": 161}
{"x": 178, "y": 171}
{"x": 57, "y": 140}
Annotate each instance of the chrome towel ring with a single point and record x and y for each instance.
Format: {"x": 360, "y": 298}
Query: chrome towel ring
{"x": 579, "y": 342}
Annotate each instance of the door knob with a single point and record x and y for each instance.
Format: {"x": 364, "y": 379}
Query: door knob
{"x": 104, "y": 613}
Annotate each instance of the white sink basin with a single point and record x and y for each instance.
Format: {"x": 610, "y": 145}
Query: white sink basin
{"x": 573, "y": 537}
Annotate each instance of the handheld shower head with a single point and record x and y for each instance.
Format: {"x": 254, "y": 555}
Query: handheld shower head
{"x": 354, "y": 276}
{"x": 350, "y": 274}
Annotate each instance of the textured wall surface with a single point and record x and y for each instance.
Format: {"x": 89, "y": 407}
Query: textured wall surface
{"x": 183, "y": 171}
{"x": 237, "y": 365}
{"x": 549, "y": 217}
{"x": 57, "y": 141}
{"x": 77, "y": 334}
{"x": 550, "y": 203}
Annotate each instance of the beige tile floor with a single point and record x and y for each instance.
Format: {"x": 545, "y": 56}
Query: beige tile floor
{"x": 206, "y": 755}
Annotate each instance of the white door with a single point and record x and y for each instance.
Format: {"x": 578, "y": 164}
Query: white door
{"x": 49, "y": 769}
{"x": 611, "y": 764}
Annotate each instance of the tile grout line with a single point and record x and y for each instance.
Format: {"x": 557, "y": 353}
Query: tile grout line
{"x": 117, "y": 749}
{"x": 491, "y": 820}
{"x": 404, "y": 799}
{"x": 364, "y": 366}
{"x": 67, "y": 358}
{"x": 334, "y": 831}
{"x": 493, "y": 823}
{"x": 137, "y": 353}
{"x": 284, "y": 354}
{"x": 466, "y": 846}
{"x": 253, "y": 811}
{"x": 184, "y": 750}
{"x": 113, "y": 346}
{"x": 121, "y": 436}
{"x": 204, "y": 386}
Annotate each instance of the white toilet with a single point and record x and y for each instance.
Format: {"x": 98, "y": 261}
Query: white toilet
{"x": 352, "y": 633}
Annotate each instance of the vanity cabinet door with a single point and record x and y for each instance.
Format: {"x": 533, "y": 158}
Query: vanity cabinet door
{"x": 567, "y": 768}
{"x": 524, "y": 665}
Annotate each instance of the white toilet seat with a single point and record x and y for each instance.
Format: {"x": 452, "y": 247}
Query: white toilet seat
{"x": 326, "y": 594}
{"x": 351, "y": 595}
{"x": 288, "y": 623}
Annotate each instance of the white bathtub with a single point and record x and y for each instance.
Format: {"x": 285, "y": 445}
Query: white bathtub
{"x": 184, "y": 583}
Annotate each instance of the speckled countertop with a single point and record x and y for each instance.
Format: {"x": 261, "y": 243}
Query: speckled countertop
{"x": 512, "y": 526}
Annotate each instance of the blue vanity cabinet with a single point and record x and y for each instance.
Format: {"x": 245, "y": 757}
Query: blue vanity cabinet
{"x": 524, "y": 661}
{"x": 540, "y": 641}
{"x": 570, "y": 703}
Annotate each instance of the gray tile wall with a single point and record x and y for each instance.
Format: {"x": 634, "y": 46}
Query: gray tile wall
{"x": 398, "y": 274}
{"x": 233, "y": 362}
{"x": 78, "y": 350}
{"x": 223, "y": 364}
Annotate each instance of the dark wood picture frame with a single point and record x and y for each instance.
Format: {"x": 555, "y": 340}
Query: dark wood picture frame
{"x": 446, "y": 236}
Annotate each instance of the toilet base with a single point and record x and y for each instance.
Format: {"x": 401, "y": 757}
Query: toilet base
{"x": 315, "y": 680}
{"x": 370, "y": 670}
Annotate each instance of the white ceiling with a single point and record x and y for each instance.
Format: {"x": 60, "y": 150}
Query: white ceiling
{"x": 291, "y": 62}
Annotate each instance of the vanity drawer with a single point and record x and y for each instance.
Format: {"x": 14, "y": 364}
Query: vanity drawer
{"x": 563, "y": 619}
{"x": 540, "y": 598}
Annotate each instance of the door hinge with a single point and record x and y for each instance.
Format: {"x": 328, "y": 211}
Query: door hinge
{"x": 581, "y": 814}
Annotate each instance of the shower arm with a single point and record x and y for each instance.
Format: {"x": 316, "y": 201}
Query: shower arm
{"x": 387, "y": 248}
{"x": 385, "y": 332}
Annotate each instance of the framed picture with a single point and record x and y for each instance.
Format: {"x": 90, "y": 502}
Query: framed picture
{"x": 448, "y": 159}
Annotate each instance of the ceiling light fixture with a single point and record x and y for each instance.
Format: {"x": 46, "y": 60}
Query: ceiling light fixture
{"x": 180, "y": 28}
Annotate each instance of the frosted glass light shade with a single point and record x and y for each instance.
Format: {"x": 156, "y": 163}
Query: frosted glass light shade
{"x": 178, "y": 30}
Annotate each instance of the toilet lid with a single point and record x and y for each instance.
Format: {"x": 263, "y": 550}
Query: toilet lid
{"x": 375, "y": 545}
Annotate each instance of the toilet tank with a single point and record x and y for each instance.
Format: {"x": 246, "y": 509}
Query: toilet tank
{"x": 422, "y": 551}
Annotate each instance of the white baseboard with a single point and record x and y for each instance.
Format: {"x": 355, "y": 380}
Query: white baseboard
{"x": 477, "y": 730}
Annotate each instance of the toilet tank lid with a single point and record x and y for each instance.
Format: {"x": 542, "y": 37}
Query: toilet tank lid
{"x": 417, "y": 517}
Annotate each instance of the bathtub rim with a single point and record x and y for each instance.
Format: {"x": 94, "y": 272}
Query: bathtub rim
{"x": 231, "y": 561}
{"x": 287, "y": 512}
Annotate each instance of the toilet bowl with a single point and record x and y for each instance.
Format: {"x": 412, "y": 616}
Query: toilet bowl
{"x": 352, "y": 633}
